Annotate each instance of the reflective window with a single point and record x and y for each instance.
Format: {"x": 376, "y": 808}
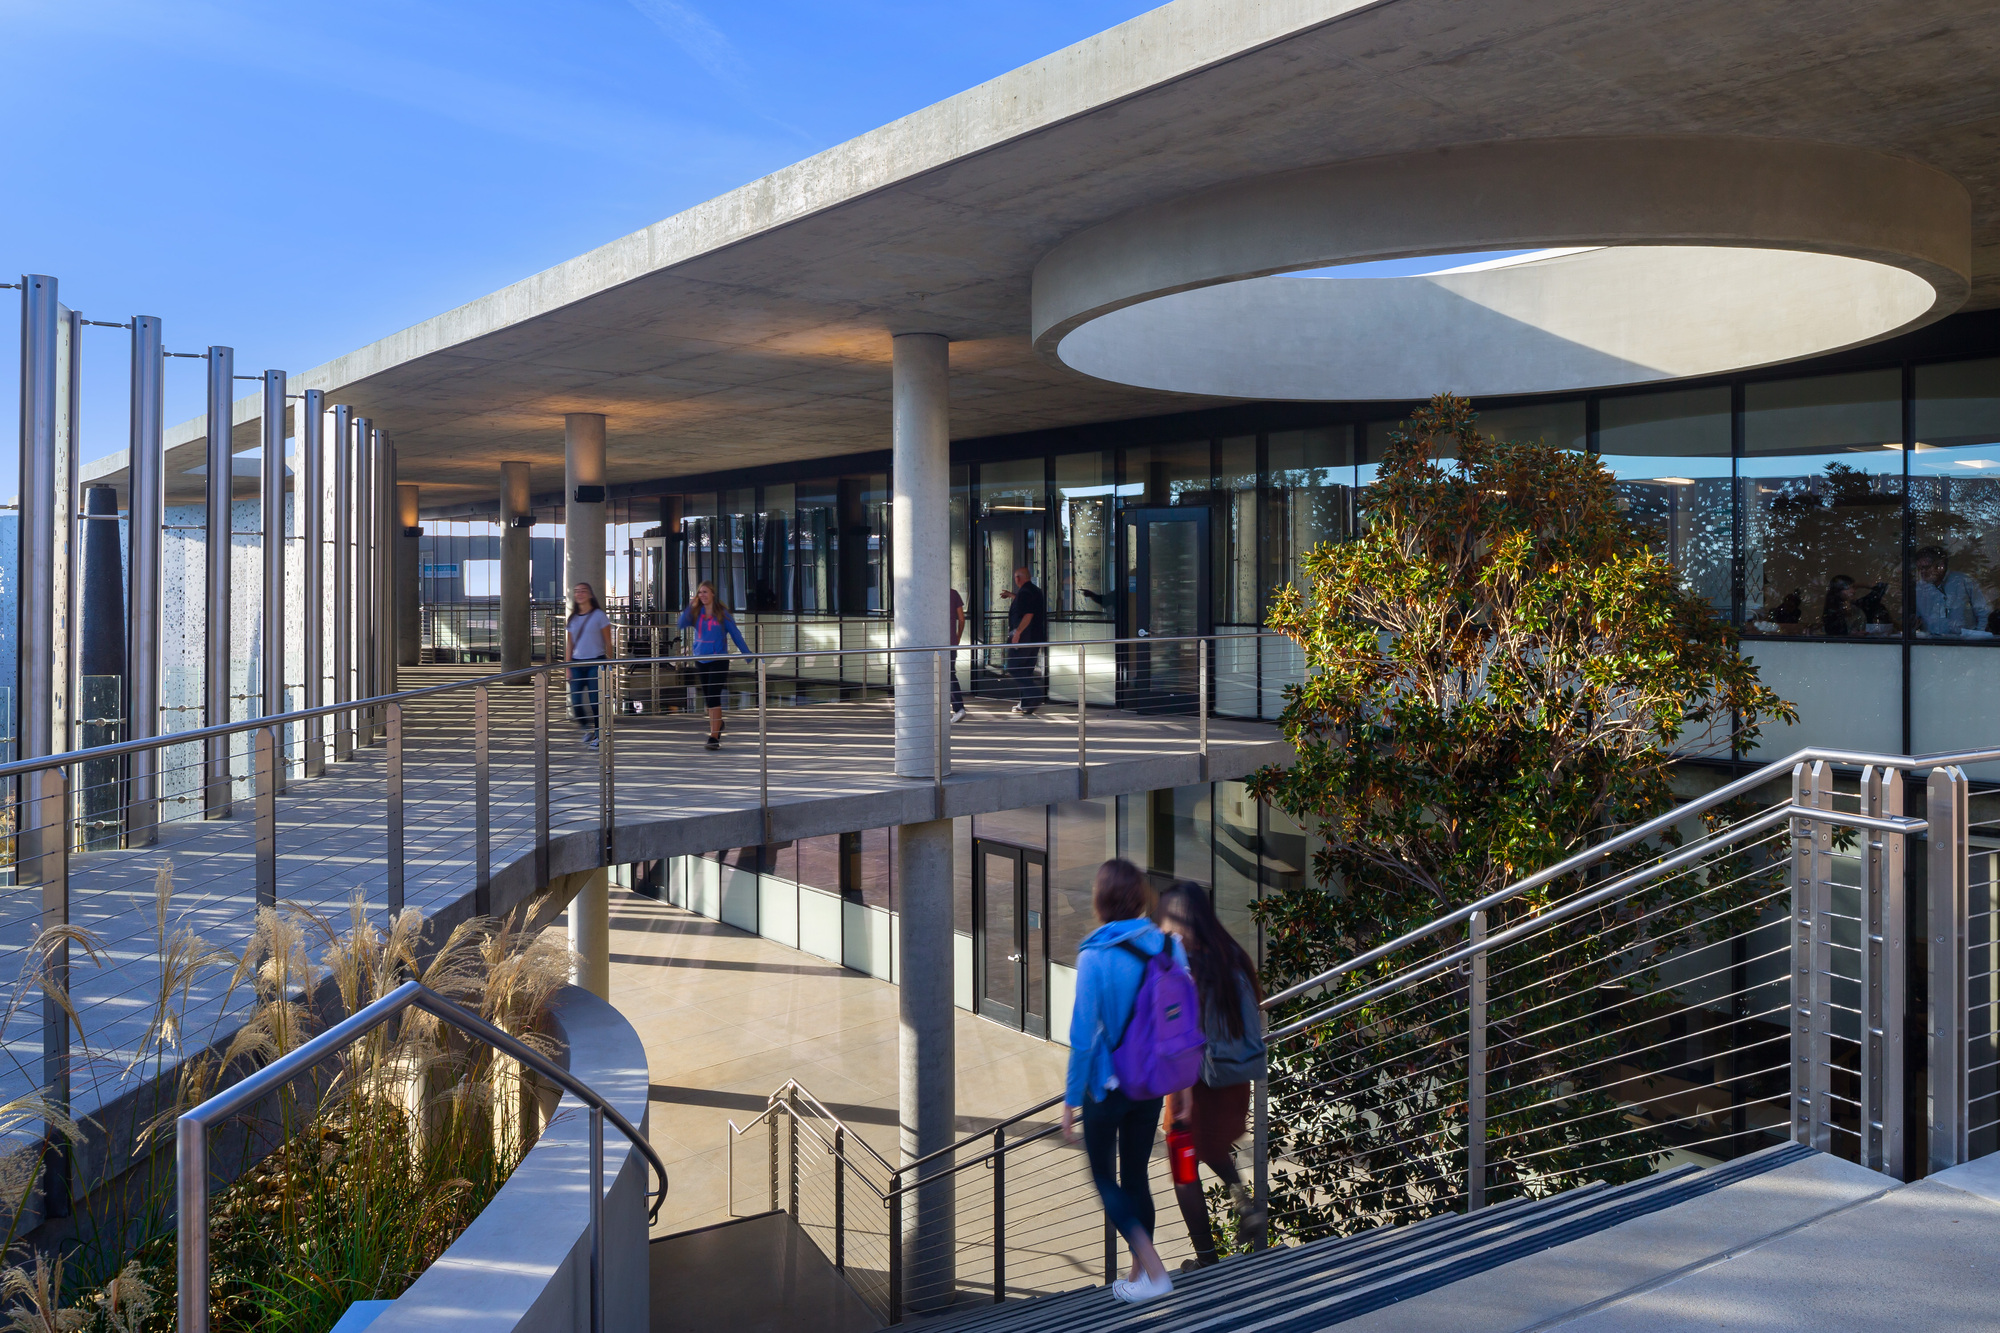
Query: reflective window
{"x": 1235, "y": 540}
{"x": 774, "y": 589}
{"x": 1670, "y": 454}
{"x": 1822, "y": 500}
{"x": 1558, "y": 424}
{"x": 1168, "y": 474}
{"x": 1955, "y": 500}
{"x": 1085, "y": 490}
{"x": 1308, "y": 498}
{"x": 1084, "y": 841}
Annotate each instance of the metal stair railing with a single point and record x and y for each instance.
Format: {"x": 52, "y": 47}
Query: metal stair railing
{"x": 1702, "y": 1000}
{"x": 191, "y": 1134}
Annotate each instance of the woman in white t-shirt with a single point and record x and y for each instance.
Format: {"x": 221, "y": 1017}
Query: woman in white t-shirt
{"x": 589, "y": 647}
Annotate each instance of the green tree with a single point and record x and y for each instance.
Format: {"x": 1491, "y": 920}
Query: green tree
{"x": 1500, "y": 671}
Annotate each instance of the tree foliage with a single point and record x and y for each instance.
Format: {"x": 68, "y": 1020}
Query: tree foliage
{"x": 1500, "y": 671}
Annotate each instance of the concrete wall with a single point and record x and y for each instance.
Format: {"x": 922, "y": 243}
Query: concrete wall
{"x": 523, "y": 1266}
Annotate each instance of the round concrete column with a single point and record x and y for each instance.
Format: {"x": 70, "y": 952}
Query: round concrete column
{"x": 409, "y": 617}
{"x": 583, "y": 518}
{"x": 920, "y": 545}
{"x": 515, "y": 567}
{"x": 926, "y": 1059}
{"x": 590, "y": 931}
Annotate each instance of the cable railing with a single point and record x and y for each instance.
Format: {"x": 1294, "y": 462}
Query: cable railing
{"x": 1721, "y": 978}
{"x": 426, "y": 798}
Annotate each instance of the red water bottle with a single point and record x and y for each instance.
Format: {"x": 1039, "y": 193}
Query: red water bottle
{"x": 1180, "y": 1154}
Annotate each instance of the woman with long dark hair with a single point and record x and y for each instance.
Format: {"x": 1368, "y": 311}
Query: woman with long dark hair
{"x": 590, "y": 646}
{"x": 1215, "y": 1110}
{"x": 708, "y": 616}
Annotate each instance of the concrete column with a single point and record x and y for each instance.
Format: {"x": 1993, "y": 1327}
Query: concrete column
{"x": 590, "y": 931}
{"x": 920, "y": 543}
{"x": 926, "y": 1060}
{"x": 583, "y": 502}
{"x": 515, "y": 574}
{"x": 409, "y": 620}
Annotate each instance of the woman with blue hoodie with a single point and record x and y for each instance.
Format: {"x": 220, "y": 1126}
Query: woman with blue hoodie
{"x": 1118, "y": 1132}
{"x": 708, "y": 615}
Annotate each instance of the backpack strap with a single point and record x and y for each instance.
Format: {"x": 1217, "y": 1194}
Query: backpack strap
{"x": 1145, "y": 962}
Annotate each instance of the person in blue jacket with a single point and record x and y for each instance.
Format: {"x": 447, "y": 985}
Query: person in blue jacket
{"x": 1118, "y": 1132}
{"x": 708, "y": 615}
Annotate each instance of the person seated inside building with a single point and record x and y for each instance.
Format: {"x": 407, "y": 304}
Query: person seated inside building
{"x": 1948, "y": 603}
{"x": 1849, "y": 610}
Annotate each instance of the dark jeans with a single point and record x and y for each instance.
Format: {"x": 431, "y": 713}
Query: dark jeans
{"x": 957, "y": 694}
{"x": 1118, "y": 1138}
{"x": 712, "y": 671}
{"x": 583, "y": 693}
{"x": 1024, "y": 662}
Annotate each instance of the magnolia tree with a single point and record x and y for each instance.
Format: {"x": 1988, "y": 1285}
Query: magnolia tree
{"x": 1501, "y": 669}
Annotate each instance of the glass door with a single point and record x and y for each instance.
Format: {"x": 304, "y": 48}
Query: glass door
{"x": 1166, "y": 559}
{"x": 1010, "y": 934}
{"x": 1005, "y": 542}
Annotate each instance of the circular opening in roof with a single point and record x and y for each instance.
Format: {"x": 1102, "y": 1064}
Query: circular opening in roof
{"x": 1512, "y": 268}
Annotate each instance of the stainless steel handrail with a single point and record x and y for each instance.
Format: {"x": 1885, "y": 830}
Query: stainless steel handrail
{"x": 15, "y": 768}
{"x": 191, "y": 1135}
{"x": 1639, "y": 833}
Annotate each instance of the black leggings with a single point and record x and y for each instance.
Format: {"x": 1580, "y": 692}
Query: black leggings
{"x": 713, "y": 671}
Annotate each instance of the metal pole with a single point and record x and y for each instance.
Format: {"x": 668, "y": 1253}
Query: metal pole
{"x": 839, "y": 1199}
{"x": 763, "y": 752}
{"x": 1201, "y": 647}
{"x": 69, "y": 562}
{"x": 146, "y": 510}
{"x": 607, "y": 776}
{"x": 1812, "y": 1050}
{"x": 388, "y": 535}
{"x": 1884, "y": 976}
{"x": 271, "y": 472}
{"x": 267, "y": 816}
{"x": 394, "y": 720}
{"x": 542, "y": 778}
{"x": 40, "y": 403}
{"x": 215, "y": 678}
{"x": 1475, "y": 1080}
{"x": 895, "y": 1246}
{"x": 999, "y": 1215}
{"x": 364, "y": 576}
{"x": 191, "y": 1205}
{"x": 1082, "y": 682}
{"x": 50, "y": 812}
{"x": 941, "y": 711}
{"x": 1948, "y": 883}
{"x": 482, "y": 883}
{"x": 309, "y": 501}
{"x": 1260, "y": 1161}
{"x": 771, "y": 1154}
{"x": 343, "y": 576}
{"x": 792, "y": 1151}
{"x": 596, "y": 1219}
{"x": 1110, "y": 1253}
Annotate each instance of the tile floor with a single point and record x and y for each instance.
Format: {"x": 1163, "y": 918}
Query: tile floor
{"x": 727, "y": 1017}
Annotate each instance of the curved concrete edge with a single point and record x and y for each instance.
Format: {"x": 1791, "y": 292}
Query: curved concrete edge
{"x": 523, "y": 1266}
{"x": 1638, "y": 192}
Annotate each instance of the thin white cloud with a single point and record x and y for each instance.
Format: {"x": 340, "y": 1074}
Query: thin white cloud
{"x": 690, "y": 30}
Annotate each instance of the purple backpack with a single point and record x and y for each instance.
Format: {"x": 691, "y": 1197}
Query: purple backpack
{"x": 1160, "y": 1050}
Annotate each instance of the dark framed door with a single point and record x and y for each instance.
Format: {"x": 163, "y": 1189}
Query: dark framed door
{"x": 1010, "y": 935}
{"x": 1165, "y": 557}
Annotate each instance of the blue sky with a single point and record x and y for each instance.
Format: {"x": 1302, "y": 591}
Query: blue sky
{"x": 299, "y": 179}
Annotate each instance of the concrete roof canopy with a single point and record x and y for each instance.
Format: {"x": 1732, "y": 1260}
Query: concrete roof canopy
{"x": 755, "y": 328}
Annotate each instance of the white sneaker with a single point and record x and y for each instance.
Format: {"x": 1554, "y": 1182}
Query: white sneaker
{"x": 1017, "y": 710}
{"x": 1135, "y": 1292}
{"x": 958, "y": 715}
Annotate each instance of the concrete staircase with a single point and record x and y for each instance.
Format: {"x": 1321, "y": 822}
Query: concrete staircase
{"x": 1788, "y": 1238}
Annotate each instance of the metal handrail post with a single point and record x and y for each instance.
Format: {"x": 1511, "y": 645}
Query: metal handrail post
{"x": 1948, "y": 884}
{"x": 1260, "y": 1160}
{"x": 1884, "y": 976}
{"x": 607, "y": 773}
{"x": 942, "y": 699}
{"x": 1201, "y": 648}
{"x": 482, "y": 800}
{"x": 839, "y": 1198}
{"x": 542, "y": 778}
{"x": 393, "y": 720}
{"x": 1812, "y": 1037}
{"x": 1082, "y": 690}
{"x": 1475, "y": 1082}
{"x": 771, "y": 1140}
{"x": 596, "y": 1219}
{"x": 895, "y": 1255}
{"x": 763, "y": 748}
{"x": 792, "y": 1152}
{"x": 48, "y": 807}
{"x": 267, "y": 816}
{"x": 1110, "y": 1253}
{"x": 999, "y": 1167}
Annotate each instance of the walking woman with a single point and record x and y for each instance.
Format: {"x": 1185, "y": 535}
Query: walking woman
{"x": 1117, "y": 1131}
{"x": 589, "y": 647}
{"x": 1215, "y": 1110}
{"x": 708, "y": 615}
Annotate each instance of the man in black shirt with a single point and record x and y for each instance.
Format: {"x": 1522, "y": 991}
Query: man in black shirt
{"x": 1027, "y": 631}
